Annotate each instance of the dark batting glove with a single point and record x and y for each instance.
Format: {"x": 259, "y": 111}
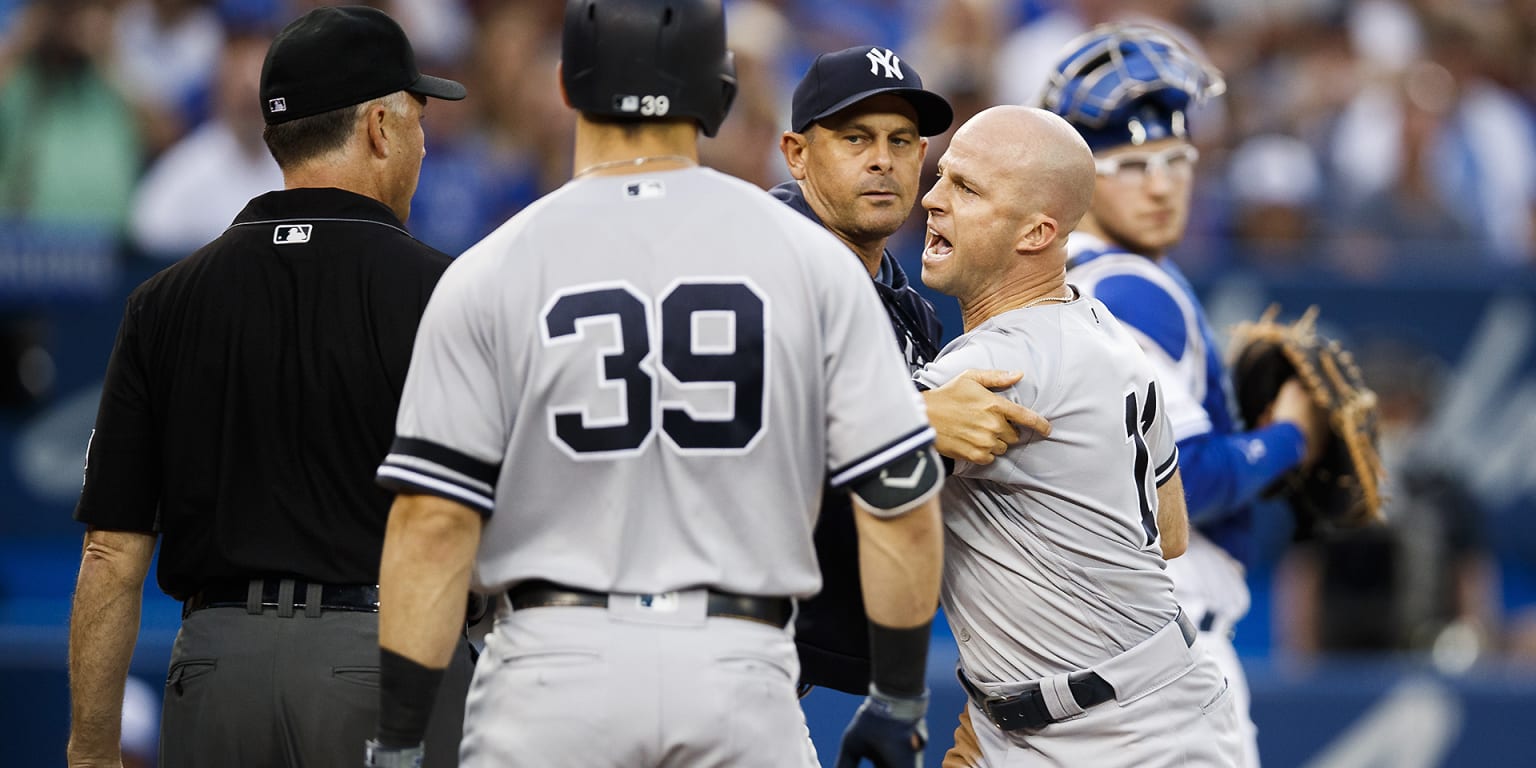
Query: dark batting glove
{"x": 887, "y": 730}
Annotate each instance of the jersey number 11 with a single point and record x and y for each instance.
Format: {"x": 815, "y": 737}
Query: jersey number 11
{"x": 1137, "y": 421}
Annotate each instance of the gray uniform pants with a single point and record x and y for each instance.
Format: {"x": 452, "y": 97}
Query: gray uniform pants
{"x": 263, "y": 691}
{"x": 1174, "y": 711}
{"x": 633, "y": 687}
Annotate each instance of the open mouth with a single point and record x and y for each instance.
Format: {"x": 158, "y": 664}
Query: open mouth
{"x": 937, "y": 245}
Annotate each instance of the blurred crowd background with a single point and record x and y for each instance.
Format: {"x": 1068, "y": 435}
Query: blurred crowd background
{"x": 1376, "y": 157}
{"x": 1362, "y": 137}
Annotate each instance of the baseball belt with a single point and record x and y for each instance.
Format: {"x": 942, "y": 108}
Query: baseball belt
{"x": 310, "y": 597}
{"x": 773, "y": 611}
{"x": 1027, "y": 710}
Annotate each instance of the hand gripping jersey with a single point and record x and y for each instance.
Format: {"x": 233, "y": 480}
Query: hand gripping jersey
{"x": 642, "y": 381}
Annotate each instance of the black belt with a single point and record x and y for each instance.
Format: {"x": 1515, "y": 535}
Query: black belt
{"x": 333, "y": 597}
{"x": 774, "y": 611}
{"x": 1026, "y": 710}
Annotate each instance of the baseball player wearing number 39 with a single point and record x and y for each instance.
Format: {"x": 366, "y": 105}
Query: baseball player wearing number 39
{"x": 1072, "y": 648}
{"x": 619, "y": 413}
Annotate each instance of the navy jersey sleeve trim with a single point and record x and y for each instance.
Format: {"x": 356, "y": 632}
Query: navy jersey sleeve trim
{"x": 448, "y": 458}
{"x": 1147, "y": 307}
{"x": 422, "y": 466}
{"x": 879, "y": 457}
{"x": 399, "y": 479}
{"x": 1166, "y": 469}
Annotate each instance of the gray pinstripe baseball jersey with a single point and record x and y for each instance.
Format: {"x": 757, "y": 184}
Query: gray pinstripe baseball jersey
{"x": 642, "y": 381}
{"x": 1052, "y": 560}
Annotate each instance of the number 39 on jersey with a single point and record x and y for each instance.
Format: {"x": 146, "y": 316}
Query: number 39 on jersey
{"x": 711, "y": 335}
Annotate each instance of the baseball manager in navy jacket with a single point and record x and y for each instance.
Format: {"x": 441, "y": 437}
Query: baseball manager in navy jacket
{"x": 860, "y": 122}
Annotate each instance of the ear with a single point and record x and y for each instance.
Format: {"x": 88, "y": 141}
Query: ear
{"x": 560, "y": 80}
{"x": 1042, "y": 232}
{"x": 922, "y": 150}
{"x": 378, "y": 134}
{"x": 793, "y": 145}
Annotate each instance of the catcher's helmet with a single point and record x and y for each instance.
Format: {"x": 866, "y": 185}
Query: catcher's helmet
{"x": 648, "y": 59}
{"x": 1129, "y": 84}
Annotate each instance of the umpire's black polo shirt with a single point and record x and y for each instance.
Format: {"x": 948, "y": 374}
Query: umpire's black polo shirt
{"x": 252, "y": 393}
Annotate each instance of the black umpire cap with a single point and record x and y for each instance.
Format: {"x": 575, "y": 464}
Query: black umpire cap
{"x": 838, "y": 80}
{"x": 334, "y": 57}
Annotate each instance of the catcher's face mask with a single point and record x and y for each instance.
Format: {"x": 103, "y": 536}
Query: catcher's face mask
{"x": 1129, "y": 84}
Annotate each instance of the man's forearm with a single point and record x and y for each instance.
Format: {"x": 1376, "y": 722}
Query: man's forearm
{"x": 1172, "y": 517}
{"x": 429, "y": 548}
{"x": 103, "y": 628}
{"x": 900, "y": 563}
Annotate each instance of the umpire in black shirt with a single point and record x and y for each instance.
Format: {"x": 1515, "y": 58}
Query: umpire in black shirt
{"x": 250, "y": 396}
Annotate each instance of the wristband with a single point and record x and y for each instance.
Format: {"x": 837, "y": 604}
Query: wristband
{"x": 898, "y": 659}
{"x": 407, "y": 691}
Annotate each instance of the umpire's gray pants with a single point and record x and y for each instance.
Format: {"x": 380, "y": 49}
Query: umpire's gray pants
{"x": 631, "y": 687}
{"x": 263, "y": 691}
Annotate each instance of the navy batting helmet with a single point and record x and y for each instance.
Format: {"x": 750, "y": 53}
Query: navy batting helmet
{"x": 1129, "y": 84}
{"x": 648, "y": 59}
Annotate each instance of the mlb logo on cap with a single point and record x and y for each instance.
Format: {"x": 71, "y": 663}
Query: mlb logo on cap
{"x": 277, "y": 105}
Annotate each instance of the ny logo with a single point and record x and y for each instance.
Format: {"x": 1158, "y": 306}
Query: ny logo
{"x": 885, "y": 58}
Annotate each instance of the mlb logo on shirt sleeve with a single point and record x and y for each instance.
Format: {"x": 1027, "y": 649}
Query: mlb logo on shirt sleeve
{"x": 289, "y": 234}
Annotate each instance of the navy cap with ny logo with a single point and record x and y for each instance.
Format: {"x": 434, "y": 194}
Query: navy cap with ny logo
{"x": 843, "y": 78}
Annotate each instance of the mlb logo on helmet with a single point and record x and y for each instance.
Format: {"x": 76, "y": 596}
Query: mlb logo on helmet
{"x": 277, "y": 105}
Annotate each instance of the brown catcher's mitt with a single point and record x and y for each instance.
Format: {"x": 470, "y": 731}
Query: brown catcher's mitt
{"x": 1344, "y": 487}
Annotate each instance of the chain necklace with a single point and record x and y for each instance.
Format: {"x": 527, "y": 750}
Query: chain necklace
{"x": 687, "y": 162}
{"x": 1043, "y": 299}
